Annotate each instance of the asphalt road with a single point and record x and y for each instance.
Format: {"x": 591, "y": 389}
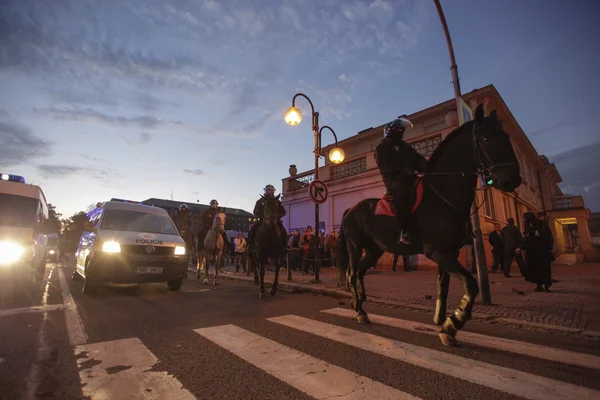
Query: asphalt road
{"x": 224, "y": 342}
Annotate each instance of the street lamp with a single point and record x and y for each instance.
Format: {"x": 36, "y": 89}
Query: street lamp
{"x": 293, "y": 116}
{"x": 482, "y": 275}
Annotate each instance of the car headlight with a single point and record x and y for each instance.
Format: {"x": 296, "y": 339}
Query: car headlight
{"x": 51, "y": 252}
{"x": 111, "y": 247}
{"x": 179, "y": 250}
{"x": 10, "y": 252}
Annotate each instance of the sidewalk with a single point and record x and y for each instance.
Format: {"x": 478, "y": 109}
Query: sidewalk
{"x": 572, "y": 306}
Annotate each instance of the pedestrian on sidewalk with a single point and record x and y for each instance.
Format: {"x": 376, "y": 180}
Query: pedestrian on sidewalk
{"x": 512, "y": 240}
{"x": 308, "y": 249}
{"x": 497, "y": 247}
{"x": 543, "y": 217}
{"x": 332, "y": 243}
{"x": 537, "y": 256}
{"x": 240, "y": 252}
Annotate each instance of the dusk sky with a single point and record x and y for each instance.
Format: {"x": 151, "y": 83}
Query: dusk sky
{"x": 138, "y": 98}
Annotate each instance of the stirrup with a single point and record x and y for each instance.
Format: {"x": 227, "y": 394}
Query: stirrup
{"x": 402, "y": 240}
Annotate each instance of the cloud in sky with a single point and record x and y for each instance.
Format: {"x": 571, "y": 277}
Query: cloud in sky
{"x": 18, "y": 144}
{"x": 207, "y": 82}
{"x": 196, "y": 171}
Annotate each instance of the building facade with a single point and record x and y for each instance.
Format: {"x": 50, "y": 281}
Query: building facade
{"x": 358, "y": 178}
{"x": 237, "y": 219}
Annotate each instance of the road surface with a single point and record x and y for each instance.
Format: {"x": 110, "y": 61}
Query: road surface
{"x": 224, "y": 342}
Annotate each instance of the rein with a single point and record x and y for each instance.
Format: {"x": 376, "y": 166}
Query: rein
{"x": 484, "y": 171}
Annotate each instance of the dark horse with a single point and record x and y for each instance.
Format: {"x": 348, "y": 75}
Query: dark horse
{"x": 269, "y": 242}
{"x": 478, "y": 148}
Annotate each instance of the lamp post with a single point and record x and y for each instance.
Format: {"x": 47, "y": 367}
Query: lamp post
{"x": 482, "y": 275}
{"x": 293, "y": 116}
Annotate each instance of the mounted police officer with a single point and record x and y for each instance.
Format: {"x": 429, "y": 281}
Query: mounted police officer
{"x": 184, "y": 223}
{"x": 207, "y": 220}
{"x": 259, "y": 211}
{"x": 399, "y": 164}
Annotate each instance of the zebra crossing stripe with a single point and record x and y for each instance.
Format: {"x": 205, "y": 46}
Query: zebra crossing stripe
{"x": 492, "y": 342}
{"x": 496, "y": 377}
{"x": 121, "y": 369}
{"x": 302, "y": 371}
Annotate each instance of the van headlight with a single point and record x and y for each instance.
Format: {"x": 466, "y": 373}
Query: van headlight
{"x": 51, "y": 252}
{"x": 179, "y": 250}
{"x": 10, "y": 252}
{"x": 111, "y": 247}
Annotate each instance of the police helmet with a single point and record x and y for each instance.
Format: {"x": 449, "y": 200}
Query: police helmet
{"x": 269, "y": 189}
{"x": 214, "y": 201}
{"x": 184, "y": 207}
{"x": 397, "y": 126}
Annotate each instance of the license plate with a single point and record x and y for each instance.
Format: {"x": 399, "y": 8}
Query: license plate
{"x": 148, "y": 270}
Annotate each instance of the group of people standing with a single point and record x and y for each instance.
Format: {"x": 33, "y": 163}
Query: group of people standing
{"x": 302, "y": 248}
{"x": 531, "y": 249}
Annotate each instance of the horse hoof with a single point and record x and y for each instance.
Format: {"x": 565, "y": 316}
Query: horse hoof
{"x": 272, "y": 292}
{"x": 197, "y": 276}
{"x": 262, "y": 295}
{"x": 363, "y": 319}
{"x": 215, "y": 283}
{"x": 205, "y": 281}
{"x": 448, "y": 340}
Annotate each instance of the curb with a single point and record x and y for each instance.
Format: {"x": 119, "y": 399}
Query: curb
{"x": 337, "y": 293}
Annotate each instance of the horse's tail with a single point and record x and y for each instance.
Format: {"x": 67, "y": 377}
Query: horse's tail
{"x": 341, "y": 255}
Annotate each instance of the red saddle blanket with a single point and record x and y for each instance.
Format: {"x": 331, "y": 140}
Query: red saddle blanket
{"x": 384, "y": 206}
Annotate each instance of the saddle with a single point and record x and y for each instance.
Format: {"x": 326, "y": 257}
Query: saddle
{"x": 384, "y": 206}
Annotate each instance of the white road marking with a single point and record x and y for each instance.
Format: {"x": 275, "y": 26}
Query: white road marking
{"x": 120, "y": 369}
{"x": 75, "y": 327}
{"x": 512, "y": 346}
{"x": 33, "y": 309}
{"x": 305, "y": 373}
{"x": 493, "y": 376}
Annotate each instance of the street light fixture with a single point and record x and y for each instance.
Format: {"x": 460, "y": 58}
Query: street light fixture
{"x": 293, "y": 116}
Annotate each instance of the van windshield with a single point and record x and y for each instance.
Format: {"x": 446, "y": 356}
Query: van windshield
{"x": 127, "y": 220}
{"x": 52, "y": 241}
{"x": 18, "y": 211}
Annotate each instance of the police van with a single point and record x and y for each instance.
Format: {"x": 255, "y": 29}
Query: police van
{"x": 23, "y": 218}
{"x": 129, "y": 242}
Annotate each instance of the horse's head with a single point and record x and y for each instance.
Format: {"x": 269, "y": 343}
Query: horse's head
{"x": 219, "y": 221}
{"x": 271, "y": 210}
{"x": 494, "y": 153}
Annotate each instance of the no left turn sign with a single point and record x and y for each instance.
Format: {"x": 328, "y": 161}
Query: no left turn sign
{"x": 318, "y": 191}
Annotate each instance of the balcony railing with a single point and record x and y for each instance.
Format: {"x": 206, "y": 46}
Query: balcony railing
{"x": 300, "y": 182}
{"x": 567, "y": 202}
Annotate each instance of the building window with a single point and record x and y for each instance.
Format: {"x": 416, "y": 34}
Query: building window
{"x": 488, "y": 204}
{"x": 300, "y": 182}
{"x": 350, "y": 168}
{"x": 506, "y": 205}
{"x": 426, "y": 147}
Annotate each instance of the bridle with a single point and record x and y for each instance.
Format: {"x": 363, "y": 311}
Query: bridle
{"x": 485, "y": 164}
{"x": 485, "y": 167}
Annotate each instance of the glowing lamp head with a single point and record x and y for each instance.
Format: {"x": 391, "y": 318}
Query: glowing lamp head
{"x": 337, "y": 155}
{"x": 293, "y": 116}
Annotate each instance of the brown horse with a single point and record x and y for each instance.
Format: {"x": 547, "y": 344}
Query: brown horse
{"x": 213, "y": 246}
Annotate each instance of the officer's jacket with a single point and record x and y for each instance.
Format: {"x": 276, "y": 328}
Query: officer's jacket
{"x": 259, "y": 208}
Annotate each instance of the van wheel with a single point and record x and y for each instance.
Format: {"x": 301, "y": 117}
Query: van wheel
{"x": 175, "y": 284}
{"x": 89, "y": 287}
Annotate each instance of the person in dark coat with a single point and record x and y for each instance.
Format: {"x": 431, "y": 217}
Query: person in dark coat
{"x": 537, "y": 256}
{"x": 512, "y": 239}
{"x": 497, "y": 248}
{"x": 543, "y": 217}
{"x": 398, "y": 164}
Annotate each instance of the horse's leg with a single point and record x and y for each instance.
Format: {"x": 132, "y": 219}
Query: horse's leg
{"x": 218, "y": 264}
{"x": 276, "y": 279}
{"x": 463, "y": 312}
{"x": 354, "y": 256}
{"x": 207, "y": 261}
{"x": 443, "y": 282}
{"x": 252, "y": 260}
{"x": 261, "y": 273}
{"x": 370, "y": 260}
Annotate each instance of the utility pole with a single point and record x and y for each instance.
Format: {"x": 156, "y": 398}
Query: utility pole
{"x": 482, "y": 275}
